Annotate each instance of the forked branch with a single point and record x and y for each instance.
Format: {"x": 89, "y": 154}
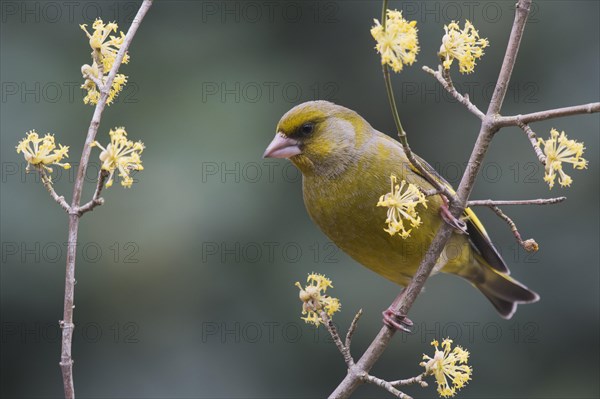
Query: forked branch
{"x": 66, "y": 360}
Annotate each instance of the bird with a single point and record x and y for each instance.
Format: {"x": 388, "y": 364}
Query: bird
{"x": 346, "y": 166}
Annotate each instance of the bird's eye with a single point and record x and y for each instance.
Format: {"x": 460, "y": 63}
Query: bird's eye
{"x": 307, "y": 129}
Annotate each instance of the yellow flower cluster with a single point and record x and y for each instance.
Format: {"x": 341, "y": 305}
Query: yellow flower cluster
{"x": 463, "y": 45}
{"x": 93, "y": 95}
{"x": 398, "y": 43}
{"x": 40, "y": 152}
{"x": 108, "y": 49}
{"x": 402, "y": 201}
{"x": 449, "y": 367}
{"x": 314, "y": 299}
{"x": 105, "y": 51}
{"x": 120, "y": 154}
{"x": 558, "y": 149}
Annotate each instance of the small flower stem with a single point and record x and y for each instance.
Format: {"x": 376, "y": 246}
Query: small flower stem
{"x": 411, "y": 381}
{"x": 529, "y": 245}
{"x": 534, "y": 142}
{"x": 66, "y": 360}
{"x": 96, "y": 199}
{"x": 443, "y": 76}
{"x": 384, "y": 8}
{"x": 402, "y": 137}
{"x": 94, "y": 79}
{"x": 387, "y": 386}
{"x": 58, "y": 198}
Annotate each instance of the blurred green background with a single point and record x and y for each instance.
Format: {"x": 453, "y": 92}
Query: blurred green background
{"x": 185, "y": 282}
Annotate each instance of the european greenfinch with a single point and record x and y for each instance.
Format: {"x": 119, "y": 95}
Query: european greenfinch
{"x": 346, "y": 167}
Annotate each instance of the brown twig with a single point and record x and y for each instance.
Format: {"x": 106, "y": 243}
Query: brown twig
{"x": 528, "y": 245}
{"x": 47, "y": 182}
{"x": 534, "y": 142}
{"x": 484, "y": 138}
{"x": 344, "y": 350}
{"x": 515, "y": 120}
{"x": 540, "y": 201}
{"x": 96, "y": 199}
{"x": 387, "y": 386}
{"x": 411, "y": 381}
{"x": 352, "y": 329}
{"x": 443, "y": 76}
{"x": 66, "y": 360}
{"x": 361, "y": 375}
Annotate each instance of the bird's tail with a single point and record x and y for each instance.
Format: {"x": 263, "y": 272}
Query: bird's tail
{"x": 503, "y": 291}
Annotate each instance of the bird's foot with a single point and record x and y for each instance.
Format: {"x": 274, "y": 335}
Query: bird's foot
{"x": 449, "y": 218}
{"x": 397, "y": 321}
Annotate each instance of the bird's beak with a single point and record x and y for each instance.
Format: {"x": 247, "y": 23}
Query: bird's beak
{"x": 282, "y": 147}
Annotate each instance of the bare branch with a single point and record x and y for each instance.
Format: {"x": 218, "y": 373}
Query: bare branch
{"x": 510, "y": 56}
{"x": 66, "y": 361}
{"x": 47, "y": 182}
{"x": 443, "y": 76}
{"x": 590, "y": 108}
{"x": 540, "y": 201}
{"x": 352, "y": 328}
{"x": 387, "y": 386}
{"x": 411, "y": 381}
{"x": 528, "y": 245}
{"x": 96, "y": 199}
{"x": 344, "y": 350}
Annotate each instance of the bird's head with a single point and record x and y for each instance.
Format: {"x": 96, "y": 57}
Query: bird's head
{"x": 319, "y": 137}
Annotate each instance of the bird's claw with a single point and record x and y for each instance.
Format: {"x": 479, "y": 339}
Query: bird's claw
{"x": 449, "y": 218}
{"x": 396, "y": 321}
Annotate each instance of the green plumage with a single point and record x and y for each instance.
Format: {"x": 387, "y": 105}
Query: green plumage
{"x": 346, "y": 167}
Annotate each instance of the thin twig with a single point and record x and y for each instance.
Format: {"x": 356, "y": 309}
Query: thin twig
{"x": 484, "y": 138}
{"x": 529, "y": 245}
{"x": 387, "y": 386}
{"x": 359, "y": 374}
{"x": 344, "y": 350}
{"x": 94, "y": 79}
{"x": 352, "y": 328}
{"x": 534, "y": 142}
{"x": 411, "y": 381}
{"x": 539, "y": 201}
{"x": 443, "y": 76}
{"x": 430, "y": 193}
{"x": 96, "y": 199}
{"x": 66, "y": 360}
{"x": 590, "y": 108}
{"x": 47, "y": 182}
{"x": 402, "y": 137}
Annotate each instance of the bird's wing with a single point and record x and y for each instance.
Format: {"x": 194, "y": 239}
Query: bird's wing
{"x": 477, "y": 234}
